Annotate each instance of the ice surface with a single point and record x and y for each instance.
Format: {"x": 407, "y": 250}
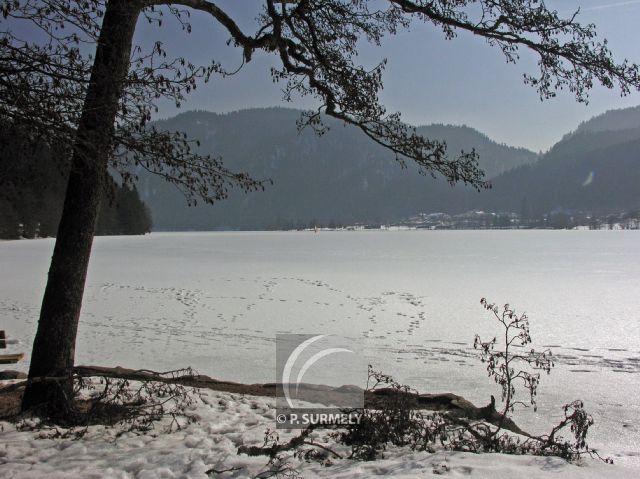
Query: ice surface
{"x": 215, "y": 301}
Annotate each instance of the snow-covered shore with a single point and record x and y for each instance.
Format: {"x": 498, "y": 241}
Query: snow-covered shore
{"x": 227, "y": 421}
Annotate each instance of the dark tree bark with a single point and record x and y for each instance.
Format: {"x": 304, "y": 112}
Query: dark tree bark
{"x": 54, "y": 344}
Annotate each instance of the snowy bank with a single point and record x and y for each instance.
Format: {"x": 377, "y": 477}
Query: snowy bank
{"x": 227, "y": 421}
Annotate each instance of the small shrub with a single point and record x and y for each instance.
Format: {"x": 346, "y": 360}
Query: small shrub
{"x": 502, "y": 364}
{"x": 395, "y": 420}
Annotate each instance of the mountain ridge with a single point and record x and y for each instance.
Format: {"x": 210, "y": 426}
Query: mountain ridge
{"x": 340, "y": 176}
{"x": 344, "y": 178}
{"x": 594, "y": 169}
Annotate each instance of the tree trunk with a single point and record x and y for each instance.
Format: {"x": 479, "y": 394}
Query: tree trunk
{"x": 54, "y": 344}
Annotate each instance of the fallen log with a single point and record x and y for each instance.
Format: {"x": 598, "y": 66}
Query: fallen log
{"x": 452, "y": 404}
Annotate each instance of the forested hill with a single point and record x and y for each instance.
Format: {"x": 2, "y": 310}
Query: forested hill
{"x": 340, "y": 177}
{"x": 612, "y": 120}
{"x": 594, "y": 169}
{"x": 32, "y": 188}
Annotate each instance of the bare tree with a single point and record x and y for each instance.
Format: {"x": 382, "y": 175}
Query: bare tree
{"x": 503, "y": 364}
{"x": 101, "y": 103}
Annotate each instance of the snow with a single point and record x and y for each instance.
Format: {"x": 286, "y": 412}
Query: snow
{"x": 227, "y": 421}
{"x": 215, "y": 301}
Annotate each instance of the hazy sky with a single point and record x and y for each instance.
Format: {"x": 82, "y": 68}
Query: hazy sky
{"x": 428, "y": 79}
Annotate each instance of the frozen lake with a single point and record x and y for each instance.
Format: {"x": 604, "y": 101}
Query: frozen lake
{"x": 215, "y": 301}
